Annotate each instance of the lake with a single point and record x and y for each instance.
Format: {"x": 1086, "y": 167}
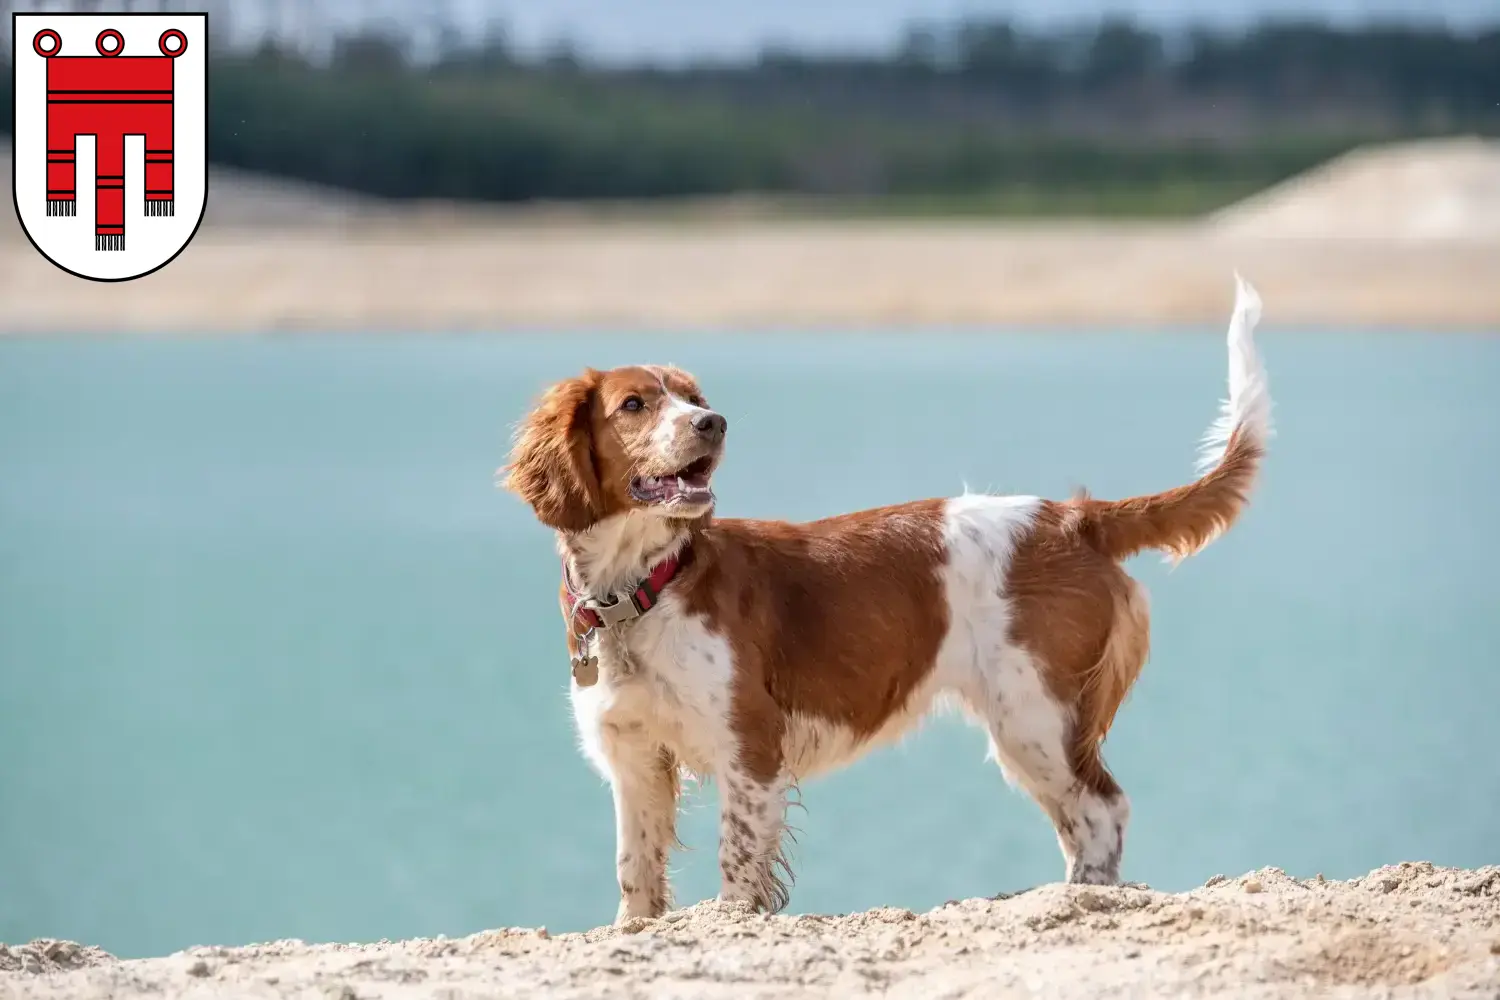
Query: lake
{"x": 279, "y": 660}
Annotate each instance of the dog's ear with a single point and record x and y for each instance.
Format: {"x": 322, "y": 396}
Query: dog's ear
{"x": 552, "y": 464}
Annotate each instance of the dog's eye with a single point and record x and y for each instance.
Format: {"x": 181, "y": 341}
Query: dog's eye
{"x": 632, "y": 404}
{"x": 696, "y": 400}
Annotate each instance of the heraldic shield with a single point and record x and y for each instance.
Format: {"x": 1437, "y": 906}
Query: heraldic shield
{"x": 111, "y": 126}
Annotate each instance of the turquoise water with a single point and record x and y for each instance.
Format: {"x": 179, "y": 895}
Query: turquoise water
{"x": 279, "y": 661}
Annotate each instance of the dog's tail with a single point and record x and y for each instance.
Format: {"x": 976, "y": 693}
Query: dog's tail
{"x": 1184, "y": 520}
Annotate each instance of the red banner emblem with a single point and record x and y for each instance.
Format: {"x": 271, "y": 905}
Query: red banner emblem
{"x": 140, "y": 80}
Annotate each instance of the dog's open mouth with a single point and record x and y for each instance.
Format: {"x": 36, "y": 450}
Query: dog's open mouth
{"x": 688, "y": 485}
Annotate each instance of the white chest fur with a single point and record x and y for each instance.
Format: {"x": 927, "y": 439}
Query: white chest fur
{"x": 673, "y": 691}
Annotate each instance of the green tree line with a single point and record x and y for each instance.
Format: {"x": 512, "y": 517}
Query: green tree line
{"x": 1108, "y": 117}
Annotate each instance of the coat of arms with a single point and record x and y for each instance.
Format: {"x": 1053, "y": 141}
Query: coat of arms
{"x": 111, "y": 171}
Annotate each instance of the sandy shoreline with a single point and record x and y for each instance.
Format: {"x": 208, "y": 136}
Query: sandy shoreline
{"x": 1405, "y": 930}
{"x": 1399, "y": 236}
{"x": 435, "y": 274}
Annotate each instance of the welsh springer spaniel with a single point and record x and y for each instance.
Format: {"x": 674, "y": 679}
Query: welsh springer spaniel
{"x": 764, "y": 652}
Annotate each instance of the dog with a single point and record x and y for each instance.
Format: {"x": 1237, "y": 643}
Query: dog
{"x": 761, "y": 653}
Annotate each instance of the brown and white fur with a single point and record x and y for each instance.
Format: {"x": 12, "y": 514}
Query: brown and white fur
{"x": 782, "y": 651}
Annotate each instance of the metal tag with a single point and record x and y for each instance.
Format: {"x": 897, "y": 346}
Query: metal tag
{"x": 585, "y": 664}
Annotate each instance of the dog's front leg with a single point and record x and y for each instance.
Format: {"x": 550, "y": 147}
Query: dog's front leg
{"x": 752, "y": 822}
{"x": 643, "y": 777}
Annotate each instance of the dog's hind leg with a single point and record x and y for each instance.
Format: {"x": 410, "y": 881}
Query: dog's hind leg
{"x": 1035, "y": 740}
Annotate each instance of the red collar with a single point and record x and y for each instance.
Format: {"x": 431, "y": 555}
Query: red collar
{"x": 592, "y": 614}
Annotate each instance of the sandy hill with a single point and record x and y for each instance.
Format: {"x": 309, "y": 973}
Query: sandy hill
{"x": 1409, "y": 930}
{"x": 1435, "y": 189}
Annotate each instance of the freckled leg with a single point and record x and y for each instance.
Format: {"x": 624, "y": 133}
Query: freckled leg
{"x": 1032, "y": 738}
{"x": 1091, "y": 820}
{"x": 644, "y": 781}
{"x": 752, "y": 821}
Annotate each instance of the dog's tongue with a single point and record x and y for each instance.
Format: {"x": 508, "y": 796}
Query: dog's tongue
{"x": 666, "y": 489}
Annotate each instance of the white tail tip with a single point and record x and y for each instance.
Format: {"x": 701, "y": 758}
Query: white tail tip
{"x": 1248, "y": 407}
{"x": 1247, "y": 308}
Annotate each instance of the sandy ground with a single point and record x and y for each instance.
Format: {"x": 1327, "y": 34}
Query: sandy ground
{"x": 1408, "y": 237}
{"x": 430, "y": 276}
{"x": 1407, "y": 930}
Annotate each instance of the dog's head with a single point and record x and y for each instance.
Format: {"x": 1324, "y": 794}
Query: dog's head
{"x": 604, "y": 443}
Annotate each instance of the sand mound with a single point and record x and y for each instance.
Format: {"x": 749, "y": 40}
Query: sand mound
{"x": 51, "y": 956}
{"x": 1435, "y": 189}
{"x": 1414, "y": 927}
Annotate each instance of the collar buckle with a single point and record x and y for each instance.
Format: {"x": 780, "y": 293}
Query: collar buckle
{"x": 624, "y": 606}
{"x": 615, "y": 612}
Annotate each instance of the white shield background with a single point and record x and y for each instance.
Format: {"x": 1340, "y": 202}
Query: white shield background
{"x": 150, "y": 242}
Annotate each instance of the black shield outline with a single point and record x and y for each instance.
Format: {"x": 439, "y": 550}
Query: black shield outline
{"x": 15, "y": 53}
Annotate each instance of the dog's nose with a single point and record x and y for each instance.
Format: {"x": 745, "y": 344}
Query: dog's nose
{"x": 711, "y": 425}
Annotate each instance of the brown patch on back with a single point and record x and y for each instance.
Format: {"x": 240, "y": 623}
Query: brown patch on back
{"x": 838, "y": 619}
{"x": 1085, "y": 622}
